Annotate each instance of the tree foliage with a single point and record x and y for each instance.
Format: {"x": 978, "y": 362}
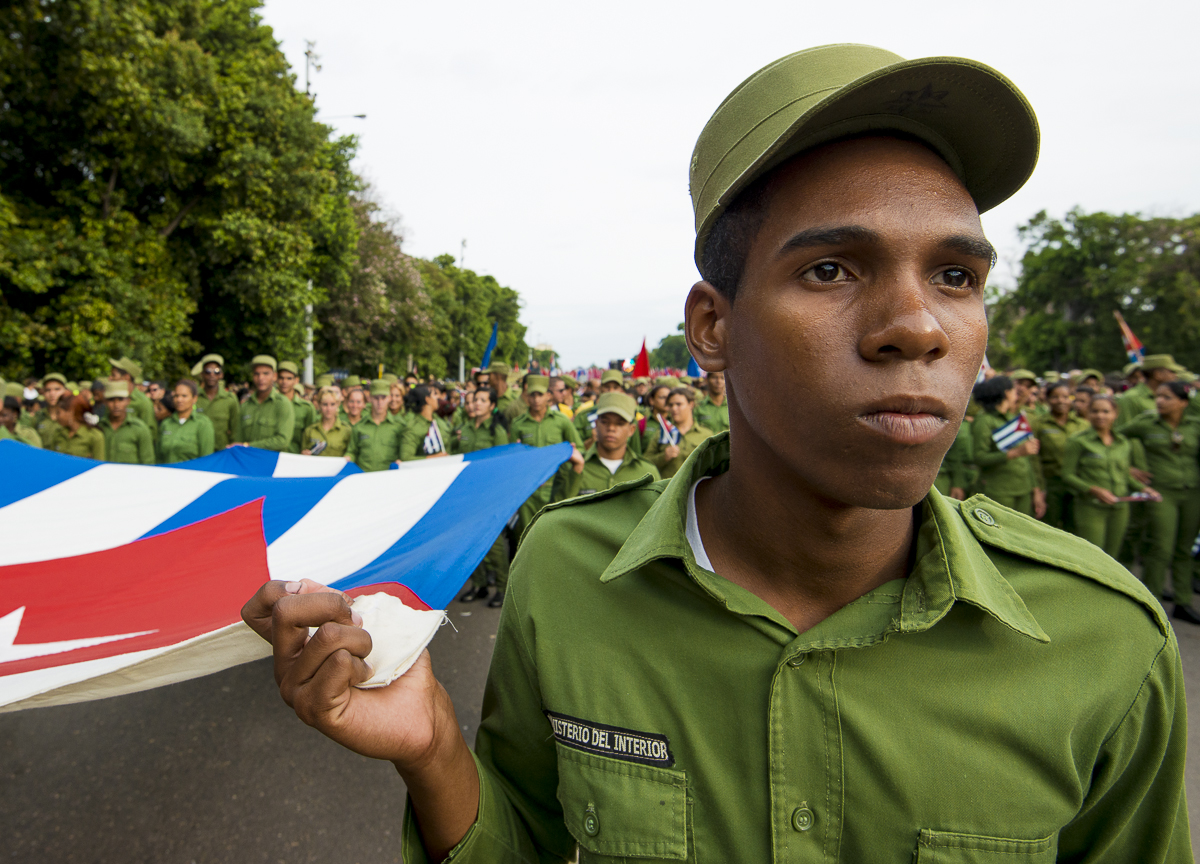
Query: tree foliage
{"x": 1077, "y": 271}
{"x": 672, "y": 352}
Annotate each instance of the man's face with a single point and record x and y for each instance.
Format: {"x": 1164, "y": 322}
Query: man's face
{"x": 211, "y": 374}
{"x": 537, "y": 401}
{"x": 287, "y": 381}
{"x": 611, "y": 387}
{"x": 640, "y": 388}
{"x": 498, "y": 381}
{"x": 559, "y": 391}
{"x": 120, "y": 375}
{"x": 379, "y": 404}
{"x": 715, "y": 384}
{"x": 613, "y": 431}
{"x": 861, "y": 303}
{"x": 117, "y": 408}
{"x": 155, "y": 391}
{"x": 53, "y": 391}
{"x": 264, "y": 378}
{"x": 1024, "y": 391}
{"x": 1155, "y": 377}
{"x": 8, "y": 418}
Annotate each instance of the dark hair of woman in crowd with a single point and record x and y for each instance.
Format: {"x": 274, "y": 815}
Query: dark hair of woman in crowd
{"x": 1178, "y": 388}
{"x": 80, "y": 407}
{"x": 990, "y": 393}
{"x": 414, "y": 399}
{"x": 1057, "y": 385}
{"x": 189, "y": 384}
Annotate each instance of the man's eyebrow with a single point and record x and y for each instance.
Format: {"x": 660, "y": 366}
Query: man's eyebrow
{"x": 976, "y": 247}
{"x": 968, "y": 245}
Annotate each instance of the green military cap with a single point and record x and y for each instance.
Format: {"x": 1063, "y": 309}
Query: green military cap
{"x": 499, "y": 368}
{"x": 1161, "y": 361}
{"x": 1022, "y": 375}
{"x": 609, "y": 375}
{"x": 73, "y": 387}
{"x": 380, "y": 387}
{"x": 55, "y": 376}
{"x": 642, "y": 379}
{"x": 14, "y": 389}
{"x": 1090, "y": 373}
{"x": 389, "y": 377}
{"x": 126, "y": 364}
{"x": 289, "y": 366}
{"x": 1129, "y": 368}
{"x": 205, "y": 360}
{"x": 324, "y": 381}
{"x": 621, "y": 404}
{"x": 1186, "y": 377}
{"x": 666, "y": 381}
{"x": 116, "y": 390}
{"x": 537, "y": 383}
{"x": 351, "y": 381}
{"x": 971, "y": 115}
{"x": 1051, "y": 377}
{"x": 263, "y": 360}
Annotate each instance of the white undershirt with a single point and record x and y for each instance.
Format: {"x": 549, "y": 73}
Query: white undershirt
{"x": 611, "y": 464}
{"x": 692, "y": 530}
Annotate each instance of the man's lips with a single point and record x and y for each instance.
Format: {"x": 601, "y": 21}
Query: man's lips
{"x": 909, "y": 420}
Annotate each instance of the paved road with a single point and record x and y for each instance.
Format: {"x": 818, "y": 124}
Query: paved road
{"x": 220, "y": 770}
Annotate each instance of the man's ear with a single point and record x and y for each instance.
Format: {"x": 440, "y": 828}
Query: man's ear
{"x": 706, "y": 326}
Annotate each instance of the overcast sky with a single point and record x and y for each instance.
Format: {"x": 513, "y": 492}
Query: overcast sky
{"x": 555, "y": 137}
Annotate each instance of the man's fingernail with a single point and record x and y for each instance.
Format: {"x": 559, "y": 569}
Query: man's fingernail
{"x": 356, "y": 618}
{"x": 293, "y": 587}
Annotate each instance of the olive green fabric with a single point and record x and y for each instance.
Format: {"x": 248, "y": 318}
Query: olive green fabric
{"x": 1088, "y": 461}
{"x": 224, "y": 412}
{"x": 551, "y": 429}
{"x": 688, "y": 442}
{"x": 131, "y": 443}
{"x": 375, "y": 446}
{"x": 953, "y": 472}
{"x": 142, "y": 407}
{"x": 304, "y": 414}
{"x": 1170, "y": 453}
{"x": 1173, "y": 523}
{"x": 712, "y": 416}
{"x": 337, "y": 439}
{"x": 269, "y": 424}
{"x": 24, "y": 434}
{"x": 49, "y": 430}
{"x": 1135, "y": 402}
{"x": 1053, "y": 436}
{"x": 1001, "y": 477}
{"x": 510, "y": 404}
{"x": 596, "y": 477}
{"x": 972, "y": 707}
{"x": 191, "y": 439}
{"x": 87, "y": 442}
{"x": 467, "y": 437}
{"x": 412, "y": 442}
{"x": 1101, "y": 524}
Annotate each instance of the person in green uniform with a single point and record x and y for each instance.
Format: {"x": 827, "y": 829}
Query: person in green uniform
{"x": 953, "y": 477}
{"x": 375, "y": 439}
{"x": 79, "y": 436}
{"x": 796, "y": 649}
{"x": 611, "y": 381}
{"x": 1010, "y": 477}
{"x": 10, "y": 413}
{"x": 712, "y": 412}
{"x": 54, "y": 387}
{"x": 356, "y": 408}
{"x": 220, "y": 406}
{"x": 267, "y": 418}
{"x": 1096, "y": 465}
{"x": 669, "y": 451}
{"x": 1052, "y": 430}
{"x": 1157, "y": 369}
{"x": 129, "y": 371}
{"x": 1172, "y": 441}
{"x": 508, "y": 400}
{"x": 562, "y": 394}
{"x": 126, "y": 438}
{"x": 186, "y": 433}
{"x": 610, "y": 460}
{"x": 330, "y": 433}
{"x": 655, "y": 407}
{"x": 481, "y": 431}
{"x": 305, "y": 414}
{"x": 426, "y": 434}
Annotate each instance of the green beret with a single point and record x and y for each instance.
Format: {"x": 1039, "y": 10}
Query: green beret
{"x": 55, "y": 376}
{"x": 289, "y": 366}
{"x": 381, "y": 388}
{"x": 351, "y": 381}
{"x": 537, "y": 383}
{"x": 389, "y": 377}
{"x": 500, "y": 368}
{"x": 621, "y": 404}
{"x": 609, "y": 376}
{"x": 971, "y": 115}
{"x": 263, "y": 360}
{"x": 324, "y": 380}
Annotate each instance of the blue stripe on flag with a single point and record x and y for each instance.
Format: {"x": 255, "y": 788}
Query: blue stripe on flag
{"x": 242, "y": 461}
{"x": 28, "y": 470}
{"x": 287, "y": 500}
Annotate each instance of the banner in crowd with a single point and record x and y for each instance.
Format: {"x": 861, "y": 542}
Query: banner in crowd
{"x": 119, "y": 578}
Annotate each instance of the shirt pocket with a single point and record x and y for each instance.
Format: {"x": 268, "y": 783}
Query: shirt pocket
{"x": 947, "y": 847}
{"x": 616, "y": 809}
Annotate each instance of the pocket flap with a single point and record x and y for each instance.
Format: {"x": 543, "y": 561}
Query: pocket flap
{"x": 618, "y": 808}
{"x": 948, "y": 847}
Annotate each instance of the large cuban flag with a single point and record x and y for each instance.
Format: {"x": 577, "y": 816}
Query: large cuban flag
{"x": 118, "y": 578}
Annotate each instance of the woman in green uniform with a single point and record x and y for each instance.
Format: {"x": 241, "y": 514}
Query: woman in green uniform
{"x": 1171, "y": 441}
{"x": 656, "y": 405}
{"x": 417, "y": 443}
{"x": 1095, "y": 466}
{"x": 669, "y": 458}
{"x": 185, "y": 434}
{"x": 330, "y": 429}
{"x": 1010, "y": 477}
{"x": 952, "y": 475}
{"x": 1052, "y": 430}
{"x": 356, "y": 402}
{"x": 482, "y": 430}
{"x": 80, "y": 437}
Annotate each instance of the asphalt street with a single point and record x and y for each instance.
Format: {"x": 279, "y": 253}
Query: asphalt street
{"x": 220, "y": 770}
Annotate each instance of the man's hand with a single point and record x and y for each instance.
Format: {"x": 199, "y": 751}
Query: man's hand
{"x": 1039, "y": 503}
{"x": 576, "y": 459}
{"x": 670, "y": 451}
{"x": 1102, "y": 495}
{"x": 1143, "y": 477}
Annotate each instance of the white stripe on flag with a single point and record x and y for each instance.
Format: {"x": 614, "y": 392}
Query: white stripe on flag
{"x": 357, "y": 521}
{"x": 106, "y": 506}
{"x": 295, "y": 465}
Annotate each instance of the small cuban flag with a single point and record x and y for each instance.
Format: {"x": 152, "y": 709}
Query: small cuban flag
{"x": 669, "y": 433}
{"x": 433, "y": 440}
{"x": 591, "y": 417}
{"x": 1012, "y": 433}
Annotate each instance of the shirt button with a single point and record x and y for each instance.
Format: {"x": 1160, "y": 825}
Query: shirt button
{"x": 798, "y": 660}
{"x": 984, "y": 516}
{"x": 591, "y": 822}
{"x": 802, "y": 817}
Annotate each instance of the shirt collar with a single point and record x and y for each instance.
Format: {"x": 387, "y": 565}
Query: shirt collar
{"x": 951, "y": 565}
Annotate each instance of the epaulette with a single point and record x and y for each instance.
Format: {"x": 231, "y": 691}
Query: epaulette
{"x": 1003, "y": 528}
{"x": 599, "y": 495}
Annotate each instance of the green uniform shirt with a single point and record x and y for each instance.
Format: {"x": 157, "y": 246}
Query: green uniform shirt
{"x": 713, "y": 416}
{"x": 596, "y": 477}
{"x": 142, "y": 406}
{"x": 1134, "y": 402}
{"x": 49, "y": 431}
{"x": 1053, "y": 438}
{"x": 24, "y": 434}
{"x": 412, "y": 439}
{"x": 688, "y": 442}
{"x": 304, "y": 414}
{"x": 191, "y": 439}
{"x": 224, "y": 414}
{"x": 999, "y": 475}
{"x": 375, "y": 446}
{"x": 553, "y": 428}
{"x": 468, "y": 437}
{"x": 1088, "y": 462}
{"x": 337, "y": 439}
{"x": 956, "y": 463}
{"x": 1170, "y": 453}
{"x": 87, "y": 442}
{"x": 269, "y": 424}
{"x": 1018, "y": 698}
{"x": 510, "y": 404}
{"x": 27, "y": 420}
{"x": 132, "y": 443}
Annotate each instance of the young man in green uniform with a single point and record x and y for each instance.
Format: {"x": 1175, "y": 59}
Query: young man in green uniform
{"x": 540, "y": 427}
{"x": 375, "y": 440}
{"x": 54, "y": 387}
{"x": 794, "y": 650}
{"x": 304, "y": 411}
{"x": 267, "y": 420}
{"x": 129, "y": 371}
{"x": 712, "y": 411}
{"x": 611, "y": 381}
{"x": 126, "y": 438}
{"x": 508, "y": 400}
{"x": 10, "y": 412}
{"x": 215, "y": 402}
{"x": 610, "y": 460}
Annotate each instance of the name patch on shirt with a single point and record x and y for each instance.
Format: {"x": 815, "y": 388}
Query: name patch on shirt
{"x": 645, "y": 748}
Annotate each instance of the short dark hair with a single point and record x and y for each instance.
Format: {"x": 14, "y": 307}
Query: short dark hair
{"x": 685, "y": 392}
{"x": 491, "y": 393}
{"x": 990, "y": 393}
{"x": 189, "y": 383}
{"x": 1057, "y": 385}
{"x": 1083, "y": 388}
{"x": 732, "y": 235}
{"x": 12, "y": 403}
{"x": 1177, "y": 387}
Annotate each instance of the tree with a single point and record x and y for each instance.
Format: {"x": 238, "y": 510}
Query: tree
{"x": 672, "y": 351}
{"x": 166, "y": 188}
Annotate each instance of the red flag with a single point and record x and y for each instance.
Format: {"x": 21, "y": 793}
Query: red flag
{"x": 641, "y": 366}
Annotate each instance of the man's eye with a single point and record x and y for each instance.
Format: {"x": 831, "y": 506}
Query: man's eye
{"x": 955, "y": 278}
{"x": 825, "y": 272}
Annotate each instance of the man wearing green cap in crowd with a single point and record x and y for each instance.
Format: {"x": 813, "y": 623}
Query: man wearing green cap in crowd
{"x": 712, "y": 411}
{"x": 508, "y": 400}
{"x": 375, "y": 439}
{"x": 126, "y": 438}
{"x": 1027, "y": 392}
{"x": 1157, "y": 369}
{"x": 10, "y": 427}
{"x": 54, "y": 387}
{"x": 215, "y": 402}
{"x": 611, "y": 381}
{"x": 610, "y": 460}
{"x": 305, "y": 414}
{"x": 267, "y": 420}
{"x": 794, "y": 650}
{"x": 130, "y": 372}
